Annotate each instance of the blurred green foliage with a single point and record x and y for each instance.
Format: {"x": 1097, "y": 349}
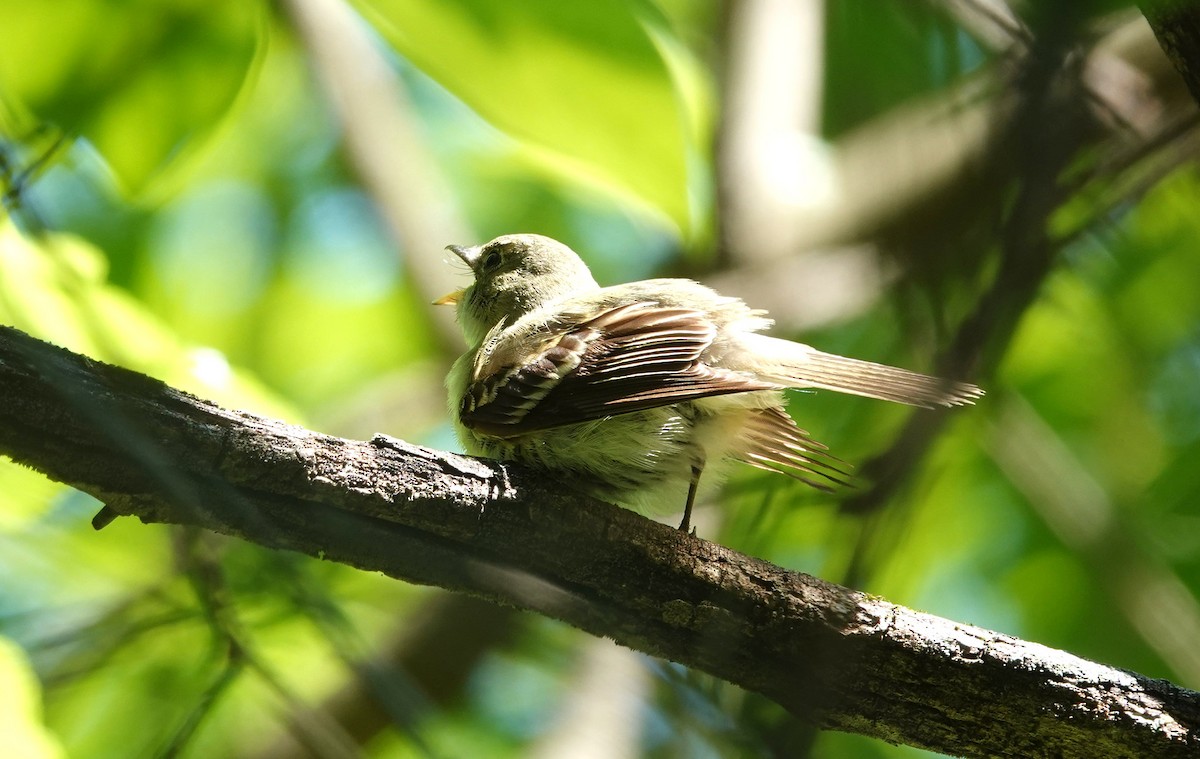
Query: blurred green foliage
{"x": 603, "y": 86}
{"x": 165, "y": 72}
{"x": 198, "y": 219}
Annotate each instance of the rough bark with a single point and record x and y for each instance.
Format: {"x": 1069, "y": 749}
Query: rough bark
{"x": 1176, "y": 24}
{"x": 830, "y": 655}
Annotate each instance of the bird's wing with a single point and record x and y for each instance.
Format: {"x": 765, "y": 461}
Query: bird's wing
{"x": 628, "y": 358}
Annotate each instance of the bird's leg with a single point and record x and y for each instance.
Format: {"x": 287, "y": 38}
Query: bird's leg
{"x": 687, "y": 508}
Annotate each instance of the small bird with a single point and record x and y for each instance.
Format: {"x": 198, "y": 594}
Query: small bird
{"x": 629, "y": 392}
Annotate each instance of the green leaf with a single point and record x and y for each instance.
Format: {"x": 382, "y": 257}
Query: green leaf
{"x": 20, "y": 709}
{"x": 142, "y": 80}
{"x": 590, "y": 85}
{"x": 55, "y": 288}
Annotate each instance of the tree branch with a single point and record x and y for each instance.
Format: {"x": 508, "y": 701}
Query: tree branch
{"x": 830, "y": 655}
{"x": 1176, "y": 24}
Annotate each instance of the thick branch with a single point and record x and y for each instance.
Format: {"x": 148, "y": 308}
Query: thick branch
{"x": 830, "y": 655}
{"x": 1176, "y": 24}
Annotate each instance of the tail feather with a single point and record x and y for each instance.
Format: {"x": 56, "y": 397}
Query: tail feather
{"x": 803, "y": 367}
{"x": 772, "y": 441}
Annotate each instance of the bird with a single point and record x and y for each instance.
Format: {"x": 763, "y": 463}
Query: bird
{"x": 630, "y": 391}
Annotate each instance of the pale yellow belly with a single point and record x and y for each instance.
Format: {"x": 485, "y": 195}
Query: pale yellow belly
{"x": 642, "y": 460}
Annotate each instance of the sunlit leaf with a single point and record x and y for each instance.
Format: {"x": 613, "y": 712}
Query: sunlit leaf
{"x": 142, "y": 80}
{"x": 56, "y": 288}
{"x": 20, "y": 720}
{"x": 588, "y": 83}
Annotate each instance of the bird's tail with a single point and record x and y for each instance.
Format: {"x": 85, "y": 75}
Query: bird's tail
{"x": 796, "y": 365}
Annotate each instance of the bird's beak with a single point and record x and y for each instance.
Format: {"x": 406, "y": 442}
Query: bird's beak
{"x": 449, "y": 299}
{"x": 469, "y": 255}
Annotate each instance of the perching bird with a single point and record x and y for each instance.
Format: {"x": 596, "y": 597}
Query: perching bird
{"x": 629, "y": 391}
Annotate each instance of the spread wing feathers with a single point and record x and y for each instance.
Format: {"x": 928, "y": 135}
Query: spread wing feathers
{"x": 802, "y": 366}
{"x": 772, "y": 441}
{"x": 628, "y": 358}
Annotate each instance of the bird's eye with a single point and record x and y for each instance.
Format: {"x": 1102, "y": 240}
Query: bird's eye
{"x": 491, "y": 260}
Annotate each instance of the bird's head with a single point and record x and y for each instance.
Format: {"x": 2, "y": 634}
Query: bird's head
{"x": 514, "y": 275}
